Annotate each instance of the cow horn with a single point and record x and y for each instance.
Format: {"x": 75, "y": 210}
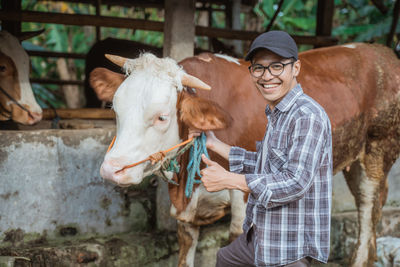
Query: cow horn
{"x": 120, "y": 61}
{"x": 191, "y": 81}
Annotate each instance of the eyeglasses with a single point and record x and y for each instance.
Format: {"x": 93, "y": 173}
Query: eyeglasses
{"x": 275, "y": 69}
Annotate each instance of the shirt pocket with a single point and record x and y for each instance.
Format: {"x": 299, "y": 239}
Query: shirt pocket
{"x": 278, "y": 151}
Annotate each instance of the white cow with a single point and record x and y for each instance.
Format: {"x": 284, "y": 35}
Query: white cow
{"x": 17, "y": 101}
{"x": 153, "y": 113}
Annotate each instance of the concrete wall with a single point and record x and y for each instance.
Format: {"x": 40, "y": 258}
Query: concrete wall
{"x": 51, "y": 185}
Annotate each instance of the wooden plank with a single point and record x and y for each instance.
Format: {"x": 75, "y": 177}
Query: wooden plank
{"x": 54, "y": 81}
{"x": 69, "y": 19}
{"x": 35, "y": 53}
{"x": 81, "y": 20}
{"x": 81, "y": 113}
{"x": 124, "y": 3}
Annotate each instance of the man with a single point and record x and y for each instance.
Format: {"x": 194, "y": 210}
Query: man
{"x": 289, "y": 177}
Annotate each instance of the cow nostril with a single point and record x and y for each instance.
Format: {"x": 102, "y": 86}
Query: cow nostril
{"x": 153, "y": 181}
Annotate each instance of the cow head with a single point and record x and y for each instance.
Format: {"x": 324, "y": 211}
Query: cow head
{"x": 16, "y": 97}
{"x": 150, "y": 104}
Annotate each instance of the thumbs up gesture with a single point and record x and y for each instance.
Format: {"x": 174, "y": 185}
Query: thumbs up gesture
{"x": 214, "y": 177}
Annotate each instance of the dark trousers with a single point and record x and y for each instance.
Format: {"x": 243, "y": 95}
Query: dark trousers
{"x": 240, "y": 253}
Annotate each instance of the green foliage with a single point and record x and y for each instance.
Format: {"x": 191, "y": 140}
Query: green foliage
{"x": 361, "y": 21}
{"x": 354, "y": 20}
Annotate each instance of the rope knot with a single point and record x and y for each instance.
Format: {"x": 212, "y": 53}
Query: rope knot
{"x": 156, "y": 157}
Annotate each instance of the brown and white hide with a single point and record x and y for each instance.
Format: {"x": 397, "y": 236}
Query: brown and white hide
{"x": 357, "y": 84}
{"x": 14, "y": 80}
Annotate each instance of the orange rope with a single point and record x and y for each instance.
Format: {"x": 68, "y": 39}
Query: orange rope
{"x": 111, "y": 145}
{"x": 148, "y": 158}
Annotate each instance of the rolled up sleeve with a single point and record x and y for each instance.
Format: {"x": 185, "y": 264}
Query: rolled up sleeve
{"x": 241, "y": 160}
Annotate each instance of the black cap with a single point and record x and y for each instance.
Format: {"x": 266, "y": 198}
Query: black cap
{"x": 278, "y": 42}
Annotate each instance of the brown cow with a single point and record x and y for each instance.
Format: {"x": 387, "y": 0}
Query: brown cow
{"x": 17, "y": 101}
{"x": 357, "y": 84}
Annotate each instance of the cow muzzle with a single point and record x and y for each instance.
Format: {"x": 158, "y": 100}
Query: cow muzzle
{"x": 25, "y": 116}
{"x": 114, "y": 172}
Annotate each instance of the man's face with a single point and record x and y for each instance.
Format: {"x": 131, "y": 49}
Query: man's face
{"x": 274, "y": 88}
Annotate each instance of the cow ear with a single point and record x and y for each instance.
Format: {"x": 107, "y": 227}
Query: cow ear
{"x": 203, "y": 114}
{"x": 105, "y": 83}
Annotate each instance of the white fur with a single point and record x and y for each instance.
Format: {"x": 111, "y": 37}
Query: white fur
{"x": 150, "y": 90}
{"x": 228, "y": 58}
{"x": 350, "y": 45}
{"x": 238, "y": 210}
{"x": 11, "y": 47}
{"x": 194, "y": 234}
{"x": 368, "y": 188}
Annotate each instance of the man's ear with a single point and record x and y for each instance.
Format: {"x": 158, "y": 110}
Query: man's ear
{"x": 203, "y": 114}
{"x": 105, "y": 83}
{"x": 296, "y": 68}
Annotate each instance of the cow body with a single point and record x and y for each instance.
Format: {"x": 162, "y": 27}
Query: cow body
{"x": 17, "y": 102}
{"x": 357, "y": 84}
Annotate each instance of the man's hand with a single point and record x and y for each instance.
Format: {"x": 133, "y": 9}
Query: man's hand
{"x": 216, "y": 178}
{"x": 211, "y": 138}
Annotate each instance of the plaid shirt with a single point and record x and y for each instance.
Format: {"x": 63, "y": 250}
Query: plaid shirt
{"x": 290, "y": 199}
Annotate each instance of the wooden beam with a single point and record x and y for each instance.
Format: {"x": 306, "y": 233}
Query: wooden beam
{"x": 81, "y": 113}
{"x": 395, "y": 20}
{"x": 35, "y": 53}
{"x": 90, "y": 20}
{"x": 12, "y": 26}
{"x": 124, "y": 3}
{"x": 324, "y": 18}
{"x": 81, "y": 20}
{"x": 98, "y": 13}
{"x": 59, "y": 82}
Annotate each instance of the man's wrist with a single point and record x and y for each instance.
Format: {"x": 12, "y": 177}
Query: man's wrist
{"x": 239, "y": 182}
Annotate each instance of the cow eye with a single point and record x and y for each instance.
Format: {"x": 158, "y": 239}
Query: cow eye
{"x": 162, "y": 117}
{"x": 2, "y": 68}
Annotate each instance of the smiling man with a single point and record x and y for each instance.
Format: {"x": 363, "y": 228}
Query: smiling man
{"x": 289, "y": 177}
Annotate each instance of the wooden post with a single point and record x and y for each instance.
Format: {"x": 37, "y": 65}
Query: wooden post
{"x": 210, "y": 19}
{"x": 324, "y": 18}
{"x": 13, "y": 27}
{"x": 98, "y": 14}
{"x": 238, "y": 44}
{"x": 179, "y": 30}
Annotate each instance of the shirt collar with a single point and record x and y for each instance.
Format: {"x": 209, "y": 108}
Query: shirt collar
{"x": 288, "y": 100}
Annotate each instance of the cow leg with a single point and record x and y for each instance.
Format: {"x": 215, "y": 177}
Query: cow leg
{"x": 238, "y": 212}
{"x": 367, "y": 182}
{"x": 188, "y": 235}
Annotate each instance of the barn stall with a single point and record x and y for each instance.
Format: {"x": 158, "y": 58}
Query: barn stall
{"x": 57, "y": 210}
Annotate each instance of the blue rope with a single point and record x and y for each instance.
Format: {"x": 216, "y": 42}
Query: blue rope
{"x": 193, "y": 168}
